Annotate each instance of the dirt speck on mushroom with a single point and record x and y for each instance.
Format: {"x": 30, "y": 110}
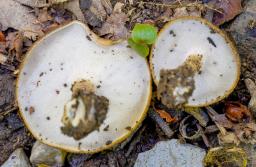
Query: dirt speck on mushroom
{"x": 177, "y": 85}
{"x": 88, "y": 111}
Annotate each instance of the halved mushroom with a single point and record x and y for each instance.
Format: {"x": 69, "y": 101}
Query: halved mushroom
{"x": 193, "y": 63}
{"x": 80, "y": 93}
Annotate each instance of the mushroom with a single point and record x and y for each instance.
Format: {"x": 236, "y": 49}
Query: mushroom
{"x": 193, "y": 63}
{"x": 81, "y": 93}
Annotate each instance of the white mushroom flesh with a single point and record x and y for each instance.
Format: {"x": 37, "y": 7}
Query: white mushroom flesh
{"x": 68, "y": 55}
{"x": 220, "y": 65}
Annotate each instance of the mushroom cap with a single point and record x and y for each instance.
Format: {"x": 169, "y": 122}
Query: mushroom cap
{"x": 72, "y": 53}
{"x": 220, "y": 63}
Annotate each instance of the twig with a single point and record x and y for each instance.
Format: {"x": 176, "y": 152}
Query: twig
{"x": 135, "y": 141}
{"x": 8, "y": 111}
{"x": 205, "y": 139}
{"x": 180, "y": 5}
{"x": 212, "y": 113}
{"x": 163, "y": 125}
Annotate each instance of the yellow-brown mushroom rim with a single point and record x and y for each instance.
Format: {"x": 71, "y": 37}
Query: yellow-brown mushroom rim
{"x": 100, "y": 41}
{"x": 229, "y": 42}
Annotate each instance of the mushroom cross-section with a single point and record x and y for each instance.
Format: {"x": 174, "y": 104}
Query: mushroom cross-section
{"x": 193, "y": 63}
{"x": 81, "y": 93}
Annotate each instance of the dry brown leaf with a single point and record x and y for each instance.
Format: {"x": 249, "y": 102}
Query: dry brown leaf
{"x": 74, "y": 7}
{"x": 115, "y": 26}
{"x": 184, "y": 11}
{"x": 2, "y": 37}
{"x": 237, "y": 112}
{"x": 168, "y": 118}
{"x": 107, "y": 5}
{"x": 228, "y": 138}
{"x": 51, "y": 27}
{"x": 18, "y": 45}
{"x": 251, "y": 86}
{"x": 246, "y": 132}
{"x": 33, "y": 3}
{"x": 94, "y": 12}
{"x": 13, "y": 14}
{"x": 44, "y": 16}
{"x": 118, "y": 7}
{"x": 15, "y": 44}
{"x": 57, "y": 1}
{"x": 229, "y": 8}
{"x": 39, "y": 3}
{"x": 222, "y": 120}
{"x": 3, "y": 58}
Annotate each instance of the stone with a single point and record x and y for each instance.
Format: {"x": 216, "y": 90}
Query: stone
{"x": 45, "y": 155}
{"x": 17, "y": 159}
{"x": 171, "y": 154}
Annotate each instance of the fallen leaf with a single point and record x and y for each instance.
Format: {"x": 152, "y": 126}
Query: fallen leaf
{"x": 33, "y": 3}
{"x": 44, "y": 16}
{"x": 246, "y": 132}
{"x": 17, "y": 16}
{"x": 237, "y": 112}
{"x": 18, "y": 45}
{"x": 15, "y": 44}
{"x": 118, "y": 7}
{"x": 228, "y": 138}
{"x": 107, "y": 5}
{"x": 229, "y": 9}
{"x": 251, "y": 86}
{"x": 166, "y": 16}
{"x": 2, "y": 37}
{"x": 57, "y": 1}
{"x": 74, "y": 7}
{"x": 180, "y": 12}
{"x": 198, "y": 114}
{"x": 222, "y": 120}
{"x": 3, "y": 58}
{"x": 51, "y": 27}
{"x": 115, "y": 26}
{"x": 94, "y": 12}
{"x": 183, "y": 11}
{"x": 39, "y": 3}
{"x": 168, "y": 118}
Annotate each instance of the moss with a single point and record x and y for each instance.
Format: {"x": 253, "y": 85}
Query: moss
{"x": 226, "y": 157}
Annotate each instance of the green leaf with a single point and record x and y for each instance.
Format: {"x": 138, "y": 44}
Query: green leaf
{"x": 141, "y": 49}
{"x": 144, "y": 34}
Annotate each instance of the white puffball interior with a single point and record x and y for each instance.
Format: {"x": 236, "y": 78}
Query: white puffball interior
{"x": 220, "y": 69}
{"x": 70, "y": 54}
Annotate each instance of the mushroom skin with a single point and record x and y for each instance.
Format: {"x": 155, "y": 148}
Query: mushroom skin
{"x": 85, "y": 112}
{"x": 220, "y": 65}
{"x": 70, "y": 54}
{"x": 177, "y": 85}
